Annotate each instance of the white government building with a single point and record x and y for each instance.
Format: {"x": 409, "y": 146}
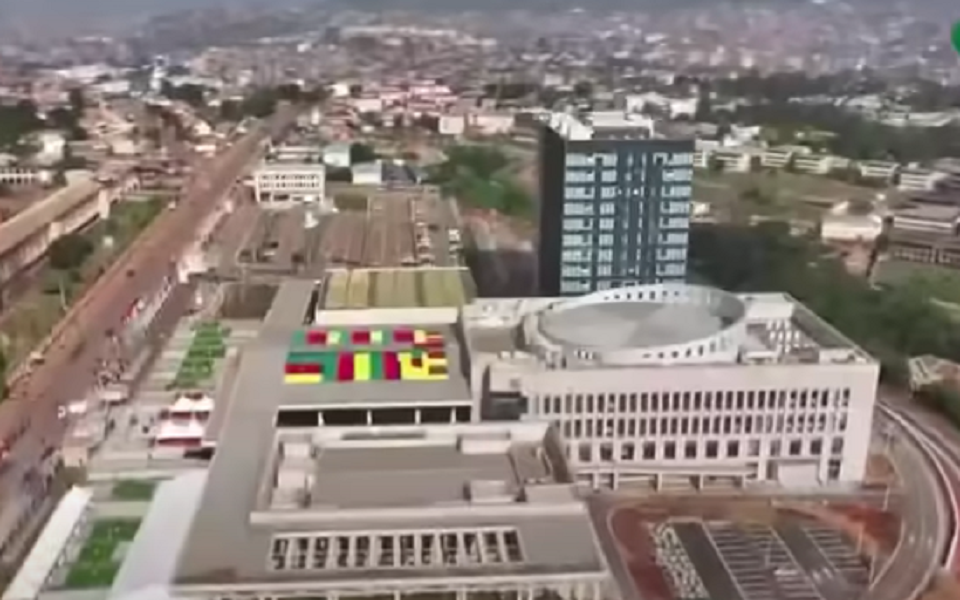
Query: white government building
{"x": 286, "y": 183}
{"x": 469, "y": 482}
{"x": 679, "y": 383}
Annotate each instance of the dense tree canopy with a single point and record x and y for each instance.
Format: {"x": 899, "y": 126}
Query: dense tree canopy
{"x": 17, "y": 121}
{"x": 68, "y": 252}
{"x": 189, "y": 93}
{"x": 362, "y": 153}
{"x": 890, "y": 323}
{"x": 477, "y": 176}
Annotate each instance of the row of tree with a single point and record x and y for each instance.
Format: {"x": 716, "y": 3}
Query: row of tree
{"x": 259, "y": 104}
{"x": 17, "y": 121}
{"x": 479, "y": 177}
{"x": 892, "y": 324}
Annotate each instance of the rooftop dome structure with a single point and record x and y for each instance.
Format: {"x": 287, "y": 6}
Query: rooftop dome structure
{"x": 643, "y": 324}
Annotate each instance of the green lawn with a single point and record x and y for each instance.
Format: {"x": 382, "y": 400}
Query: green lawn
{"x": 98, "y": 562}
{"x": 133, "y": 489}
{"x": 207, "y": 346}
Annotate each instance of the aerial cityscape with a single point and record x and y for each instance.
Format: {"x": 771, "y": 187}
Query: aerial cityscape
{"x": 407, "y": 300}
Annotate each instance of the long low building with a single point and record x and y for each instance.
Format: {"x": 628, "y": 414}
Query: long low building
{"x": 27, "y": 236}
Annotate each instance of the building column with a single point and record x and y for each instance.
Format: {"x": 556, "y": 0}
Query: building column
{"x": 352, "y": 551}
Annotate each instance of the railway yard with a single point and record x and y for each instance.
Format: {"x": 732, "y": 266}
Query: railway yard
{"x": 385, "y": 229}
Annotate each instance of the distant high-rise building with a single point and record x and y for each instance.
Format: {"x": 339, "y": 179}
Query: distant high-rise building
{"x": 615, "y": 194}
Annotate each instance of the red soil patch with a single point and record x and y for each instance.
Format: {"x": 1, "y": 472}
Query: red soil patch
{"x": 639, "y": 554}
{"x": 882, "y": 526}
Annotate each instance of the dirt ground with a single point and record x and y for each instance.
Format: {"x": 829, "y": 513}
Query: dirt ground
{"x": 879, "y": 471}
{"x": 945, "y": 587}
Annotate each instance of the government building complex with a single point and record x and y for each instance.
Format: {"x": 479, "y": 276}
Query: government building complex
{"x": 451, "y": 453}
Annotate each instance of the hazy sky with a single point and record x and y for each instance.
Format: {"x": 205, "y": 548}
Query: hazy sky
{"x": 27, "y": 13}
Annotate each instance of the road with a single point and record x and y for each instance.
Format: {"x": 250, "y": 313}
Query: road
{"x": 943, "y": 443}
{"x": 70, "y": 362}
{"x": 926, "y": 515}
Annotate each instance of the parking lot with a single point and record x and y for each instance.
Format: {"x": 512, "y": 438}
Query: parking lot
{"x": 840, "y": 554}
{"x": 759, "y": 563}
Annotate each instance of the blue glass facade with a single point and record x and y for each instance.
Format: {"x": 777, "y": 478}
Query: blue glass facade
{"x": 614, "y": 212}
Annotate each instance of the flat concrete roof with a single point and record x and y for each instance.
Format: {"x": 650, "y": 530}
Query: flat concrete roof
{"x": 23, "y": 225}
{"x": 419, "y": 478}
{"x": 362, "y": 478}
{"x": 150, "y": 561}
{"x": 413, "y": 476}
{"x": 398, "y": 288}
{"x": 290, "y": 305}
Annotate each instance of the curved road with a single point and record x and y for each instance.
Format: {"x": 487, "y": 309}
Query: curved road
{"x": 923, "y": 535}
{"x": 29, "y": 418}
{"x": 942, "y": 442}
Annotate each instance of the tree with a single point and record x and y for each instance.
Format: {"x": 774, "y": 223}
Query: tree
{"x": 188, "y": 93}
{"x": 290, "y": 92}
{"x": 17, "y": 121}
{"x": 68, "y": 252}
{"x": 362, "y": 153}
{"x": 942, "y": 398}
{"x": 583, "y": 89}
{"x": 339, "y": 174}
{"x": 891, "y": 324}
{"x": 77, "y": 101}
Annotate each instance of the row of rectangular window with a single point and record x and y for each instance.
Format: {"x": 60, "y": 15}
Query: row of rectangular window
{"x": 589, "y": 255}
{"x": 609, "y": 192}
{"x": 610, "y": 159}
{"x": 673, "y": 269}
{"x": 444, "y": 548}
{"x": 679, "y": 254}
{"x": 700, "y": 449}
{"x": 612, "y": 176}
{"x": 607, "y": 159}
{"x": 584, "y": 212}
{"x": 576, "y": 209}
{"x": 794, "y": 399}
{"x": 586, "y": 254}
{"x": 600, "y": 239}
{"x": 580, "y": 270}
{"x": 582, "y": 225}
{"x": 745, "y": 424}
{"x": 581, "y": 285}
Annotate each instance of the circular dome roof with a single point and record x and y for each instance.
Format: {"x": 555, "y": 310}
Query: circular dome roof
{"x": 641, "y": 317}
{"x": 630, "y": 325}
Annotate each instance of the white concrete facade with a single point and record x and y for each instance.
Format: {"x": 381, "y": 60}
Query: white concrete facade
{"x": 283, "y": 183}
{"x": 23, "y": 177}
{"x": 783, "y": 399}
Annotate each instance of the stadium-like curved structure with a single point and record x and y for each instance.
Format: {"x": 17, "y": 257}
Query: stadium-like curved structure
{"x": 649, "y": 324}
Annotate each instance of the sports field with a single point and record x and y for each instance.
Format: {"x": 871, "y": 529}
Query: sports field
{"x": 100, "y": 559}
